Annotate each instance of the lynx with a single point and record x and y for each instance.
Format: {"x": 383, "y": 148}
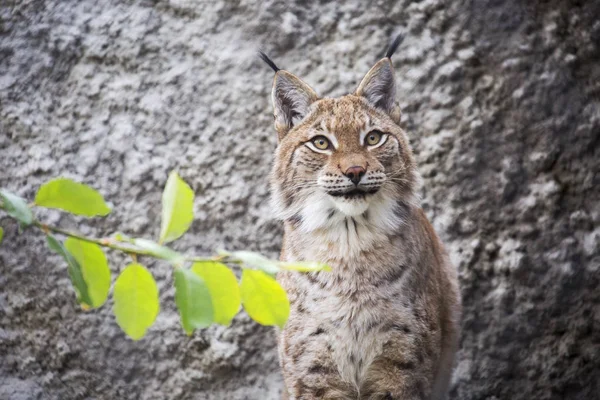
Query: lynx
{"x": 383, "y": 324}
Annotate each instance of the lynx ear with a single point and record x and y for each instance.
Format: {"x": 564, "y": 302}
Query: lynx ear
{"x": 378, "y": 87}
{"x": 291, "y": 101}
{"x": 291, "y": 98}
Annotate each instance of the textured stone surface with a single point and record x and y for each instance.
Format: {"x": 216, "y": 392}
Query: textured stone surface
{"x": 501, "y": 99}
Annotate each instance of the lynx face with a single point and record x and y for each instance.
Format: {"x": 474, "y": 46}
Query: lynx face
{"x": 339, "y": 158}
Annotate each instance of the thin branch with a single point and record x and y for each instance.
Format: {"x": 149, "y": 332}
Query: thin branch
{"x": 128, "y": 245}
{"x": 104, "y": 242}
{"x": 125, "y": 247}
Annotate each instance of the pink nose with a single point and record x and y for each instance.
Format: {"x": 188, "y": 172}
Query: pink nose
{"x": 355, "y": 174}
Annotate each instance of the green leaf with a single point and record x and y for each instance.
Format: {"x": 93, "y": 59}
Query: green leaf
{"x": 254, "y": 260}
{"x": 193, "y": 300}
{"x": 74, "y": 269}
{"x": 223, "y": 287}
{"x": 1, "y": 234}
{"x": 304, "y": 266}
{"x": 135, "y": 300}
{"x": 68, "y": 195}
{"x": 157, "y": 250}
{"x": 94, "y": 268}
{"x": 264, "y": 300}
{"x": 16, "y": 207}
{"x": 177, "y": 209}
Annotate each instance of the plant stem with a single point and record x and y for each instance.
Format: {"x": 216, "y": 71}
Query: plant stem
{"x": 105, "y": 242}
{"x": 128, "y": 245}
{"x": 115, "y": 244}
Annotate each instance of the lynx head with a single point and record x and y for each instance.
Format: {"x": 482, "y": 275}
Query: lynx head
{"x": 340, "y": 158}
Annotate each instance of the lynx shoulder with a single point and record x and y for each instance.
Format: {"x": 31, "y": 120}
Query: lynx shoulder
{"x": 384, "y": 323}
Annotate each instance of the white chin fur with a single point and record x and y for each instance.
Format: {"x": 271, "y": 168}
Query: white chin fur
{"x": 337, "y": 228}
{"x": 351, "y": 207}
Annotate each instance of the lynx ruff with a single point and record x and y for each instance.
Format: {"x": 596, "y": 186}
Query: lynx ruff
{"x": 383, "y": 324}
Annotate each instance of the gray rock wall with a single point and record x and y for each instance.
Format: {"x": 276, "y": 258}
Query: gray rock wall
{"x": 501, "y": 99}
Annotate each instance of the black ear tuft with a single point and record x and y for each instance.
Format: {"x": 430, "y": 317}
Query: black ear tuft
{"x": 267, "y": 60}
{"x": 392, "y": 49}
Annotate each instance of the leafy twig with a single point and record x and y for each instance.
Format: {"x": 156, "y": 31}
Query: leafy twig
{"x": 207, "y": 292}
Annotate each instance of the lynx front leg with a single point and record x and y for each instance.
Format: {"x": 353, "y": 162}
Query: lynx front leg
{"x": 308, "y": 368}
{"x": 320, "y": 394}
{"x": 314, "y": 378}
{"x": 391, "y": 379}
{"x": 405, "y": 369}
{"x": 317, "y": 383}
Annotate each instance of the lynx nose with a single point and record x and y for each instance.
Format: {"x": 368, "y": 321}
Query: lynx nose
{"x": 355, "y": 174}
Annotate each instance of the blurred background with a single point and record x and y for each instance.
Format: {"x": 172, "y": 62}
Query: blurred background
{"x": 500, "y": 98}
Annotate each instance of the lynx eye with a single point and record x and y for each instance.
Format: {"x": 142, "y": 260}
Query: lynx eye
{"x": 373, "y": 138}
{"x": 321, "y": 143}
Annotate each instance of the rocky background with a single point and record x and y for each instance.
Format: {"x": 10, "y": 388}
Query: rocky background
{"x": 502, "y": 102}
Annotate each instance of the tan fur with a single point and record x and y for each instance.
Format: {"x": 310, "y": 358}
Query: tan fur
{"x": 383, "y": 324}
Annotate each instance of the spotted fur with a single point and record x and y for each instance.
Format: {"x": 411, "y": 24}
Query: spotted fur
{"x": 383, "y": 324}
